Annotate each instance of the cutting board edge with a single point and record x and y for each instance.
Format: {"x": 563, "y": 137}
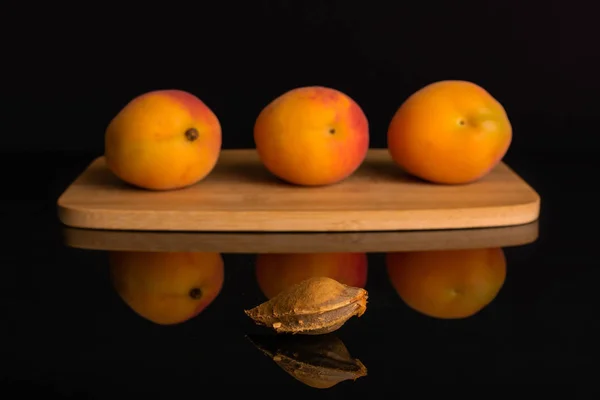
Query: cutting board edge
{"x": 86, "y": 219}
{"x": 298, "y": 242}
{"x": 525, "y": 213}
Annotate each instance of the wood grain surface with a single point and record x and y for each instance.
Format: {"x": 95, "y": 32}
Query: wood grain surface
{"x": 381, "y": 242}
{"x": 241, "y": 195}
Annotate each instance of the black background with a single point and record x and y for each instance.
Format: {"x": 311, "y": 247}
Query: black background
{"x": 71, "y": 70}
{"x": 67, "y": 70}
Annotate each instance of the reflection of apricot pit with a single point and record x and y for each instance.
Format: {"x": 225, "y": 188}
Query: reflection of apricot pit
{"x": 320, "y": 361}
{"x": 447, "y": 284}
{"x": 277, "y": 272}
{"x": 167, "y": 288}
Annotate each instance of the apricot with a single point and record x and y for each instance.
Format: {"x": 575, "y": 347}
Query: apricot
{"x": 276, "y": 272}
{"x": 162, "y": 140}
{"x": 312, "y": 136}
{"x": 447, "y": 284}
{"x": 167, "y": 288}
{"x": 449, "y": 132}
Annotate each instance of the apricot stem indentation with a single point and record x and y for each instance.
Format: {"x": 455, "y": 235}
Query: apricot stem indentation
{"x": 195, "y": 293}
{"x": 191, "y": 134}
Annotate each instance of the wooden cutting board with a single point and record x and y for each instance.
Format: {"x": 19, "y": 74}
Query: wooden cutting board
{"x": 300, "y": 242}
{"x": 241, "y": 195}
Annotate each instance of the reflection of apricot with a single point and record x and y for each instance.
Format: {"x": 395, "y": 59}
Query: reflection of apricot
{"x": 167, "y": 288}
{"x": 447, "y": 284}
{"x": 276, "y": 272}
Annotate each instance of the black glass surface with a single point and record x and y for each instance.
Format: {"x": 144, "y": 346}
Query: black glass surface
{"x": 83, "y": 314}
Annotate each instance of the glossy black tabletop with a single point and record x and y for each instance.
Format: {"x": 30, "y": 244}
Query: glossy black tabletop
{"x": 88, "y": 314}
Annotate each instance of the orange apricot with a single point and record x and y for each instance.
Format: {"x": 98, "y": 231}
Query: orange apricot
{"x": 449, "y": 132}
{"x": 312, "y": 136}
{"x": 163, "y": 140}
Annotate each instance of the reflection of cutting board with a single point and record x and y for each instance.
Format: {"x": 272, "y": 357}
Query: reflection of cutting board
{"x": 321, "y": 242}
{"x": 240, "y": 195}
